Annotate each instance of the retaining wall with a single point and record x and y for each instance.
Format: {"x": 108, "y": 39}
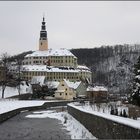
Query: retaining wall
{"x": 103, "y": 128}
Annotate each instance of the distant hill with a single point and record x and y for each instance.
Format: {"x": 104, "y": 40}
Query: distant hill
{"x": 19, "y": 56}
{"x": 111, "y": 66}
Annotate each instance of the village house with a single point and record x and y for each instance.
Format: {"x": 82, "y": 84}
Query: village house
{"x": 97, "y": 93}
{"x": 68, "y": 90}
{"x": 65, "y": 91}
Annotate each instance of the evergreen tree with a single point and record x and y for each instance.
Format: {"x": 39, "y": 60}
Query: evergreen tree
{"x": 124, "y": 113}
{"x": 135, "y": 96}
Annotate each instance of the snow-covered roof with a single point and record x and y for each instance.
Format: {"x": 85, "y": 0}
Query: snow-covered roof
{"x": 73, "y": 85}
{"x": 96, "y": 88}
{"x": 38, "y": 80}
{"x": 45, "y": 68}
{"x": 51, "y": 52}
{"x": 52, "y": 84}
{"x": 138, "y": 77}
{"x": 83, "y": 67}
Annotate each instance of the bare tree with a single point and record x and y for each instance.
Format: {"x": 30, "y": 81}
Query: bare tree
{"x": 19, "y": 65}
{"x": 4, "y": 60}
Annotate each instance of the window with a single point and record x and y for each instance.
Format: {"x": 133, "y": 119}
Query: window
{"x": 60, "y": 94}
{"x": 66, "y": 89}
{"x": 66, "y": 94}
{"x": 62, "y": 85}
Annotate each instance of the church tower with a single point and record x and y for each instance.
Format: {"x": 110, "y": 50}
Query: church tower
{"x": 43, "y": 41}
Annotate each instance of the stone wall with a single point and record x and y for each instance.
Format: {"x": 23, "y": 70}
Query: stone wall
{"x": 103, "y": 128}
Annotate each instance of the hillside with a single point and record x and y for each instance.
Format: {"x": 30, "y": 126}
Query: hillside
{"x": 111, "y": 66}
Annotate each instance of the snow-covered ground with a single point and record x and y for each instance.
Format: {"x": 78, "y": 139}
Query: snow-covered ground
{"x": 76, "y": 129}
{"x": 105, "y": 107}
{"x": 12, "y": 91}
{"x": 105, "y": 114}
{"x": 9, "y": 105}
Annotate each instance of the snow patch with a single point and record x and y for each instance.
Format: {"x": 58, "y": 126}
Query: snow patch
{"x": 76, "y": 129}
{"x": 9, "y": 105}
{"x": 13, "y": 91}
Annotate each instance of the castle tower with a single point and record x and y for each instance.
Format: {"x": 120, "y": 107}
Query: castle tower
{"x": 43, "y": 41}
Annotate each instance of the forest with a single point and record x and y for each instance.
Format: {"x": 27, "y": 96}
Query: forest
{"x": 111, "y": 66}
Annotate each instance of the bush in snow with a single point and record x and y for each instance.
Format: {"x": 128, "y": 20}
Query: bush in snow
{"x": 65, "y": 119}
{"x": 124, "y": 113}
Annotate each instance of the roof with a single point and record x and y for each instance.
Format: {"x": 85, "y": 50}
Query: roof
{"x": 73, "y": 85}
{"x": 51, "y": 52}
{"x": 45, "y": 68}
{"x": 96, "y": 88}
{"x": 137, "y": 77}
{"x": 82, "y": 67}
{"x": 52, "y": 84}
{"x": 38, "y": 80}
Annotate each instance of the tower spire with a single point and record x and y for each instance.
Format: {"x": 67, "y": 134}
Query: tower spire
{"x": 43, "y": 41}
{"x": 43, "y": 16}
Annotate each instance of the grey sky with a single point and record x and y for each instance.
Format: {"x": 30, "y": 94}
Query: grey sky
{"x": 69, "y": 24}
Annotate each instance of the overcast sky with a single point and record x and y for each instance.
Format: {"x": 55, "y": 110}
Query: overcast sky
{"x": 69, "y": 24}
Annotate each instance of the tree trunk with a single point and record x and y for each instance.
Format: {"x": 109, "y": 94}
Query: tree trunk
{"x": 3, "y": 89}
{"x": 19, "y": 89}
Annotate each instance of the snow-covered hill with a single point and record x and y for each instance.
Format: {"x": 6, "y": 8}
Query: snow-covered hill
{"x": 111, "y": 66}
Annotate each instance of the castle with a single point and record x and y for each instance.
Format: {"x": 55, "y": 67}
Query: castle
{"x": 54, "y": 64}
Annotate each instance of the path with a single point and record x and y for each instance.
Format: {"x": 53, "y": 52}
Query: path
{"x": 22, "y": 128}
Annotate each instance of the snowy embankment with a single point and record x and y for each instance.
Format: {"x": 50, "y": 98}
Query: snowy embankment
{"x": 76, "y": 129}
{"x": 9, "y": 105}
{"x": 121, "y": 120}
{"x": 12, "y": 91}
